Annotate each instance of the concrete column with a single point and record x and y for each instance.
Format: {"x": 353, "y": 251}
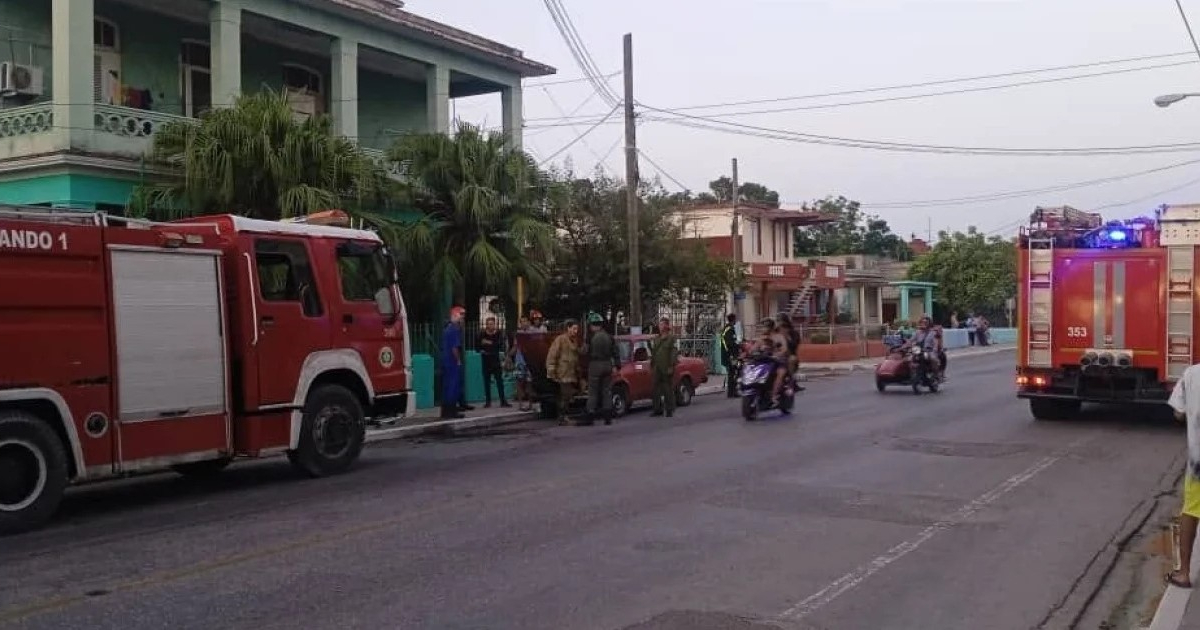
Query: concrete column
{"x": 225, "y": 33}
{"x": 513, "y": 114}
{"x": 437, "y": 99}
{"x": 862, "y": 305}
{"x": 74, "y": 51}
{"x": 929, "y": 302}
{"x": 903, "y": 304}
{"x": 344, "y": 95}
{"x": 879, "y": 304}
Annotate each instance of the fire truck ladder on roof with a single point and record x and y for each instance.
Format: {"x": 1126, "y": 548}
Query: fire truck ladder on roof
{"x": 1180, "y": 280}
{"x": 1040, "y": 281}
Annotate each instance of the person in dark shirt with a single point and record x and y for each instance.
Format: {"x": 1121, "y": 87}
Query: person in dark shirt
{"x": 491, "y": 351}
{"x": 729, "y": 354}
{"x": 603, "y": 361}
{"x": 452, "y": 364}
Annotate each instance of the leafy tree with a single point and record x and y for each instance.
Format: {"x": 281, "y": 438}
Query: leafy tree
{"x": 591, "y": 262}
{"x": 481, "y": 219}
{"x": 853, "y": 232}
{"x": 751, "y": 192}
{"x": 255, "y": 159}
{"x": 974, "y": 273}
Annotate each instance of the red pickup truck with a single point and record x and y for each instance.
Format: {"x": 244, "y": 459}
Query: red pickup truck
{"x": 633, "y": 382}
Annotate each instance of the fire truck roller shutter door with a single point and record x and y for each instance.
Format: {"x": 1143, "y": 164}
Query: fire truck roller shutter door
{"x": 1118, "y": 304}
{"x": 1099, "y": 303}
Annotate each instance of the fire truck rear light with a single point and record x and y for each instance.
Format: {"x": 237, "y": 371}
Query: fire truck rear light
{"x": 1021, "y": 380}
{"x": 1039, "y": 381}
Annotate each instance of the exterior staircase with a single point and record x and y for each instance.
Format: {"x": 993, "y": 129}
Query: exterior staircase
{"x": 801, "y": 302}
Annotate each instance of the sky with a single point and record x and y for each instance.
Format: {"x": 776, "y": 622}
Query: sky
{"x": 701, "y": 52}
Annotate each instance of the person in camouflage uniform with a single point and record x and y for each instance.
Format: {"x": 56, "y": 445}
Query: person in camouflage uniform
{"x": 562, "y": 367}
{"x": 664, "y": 355}
{"x": 603, "y": 361}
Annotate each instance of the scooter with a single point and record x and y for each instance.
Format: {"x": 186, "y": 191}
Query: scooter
{"x": 756, "y": 380}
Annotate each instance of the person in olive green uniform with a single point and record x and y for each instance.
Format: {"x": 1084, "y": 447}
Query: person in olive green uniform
{"x": 664, "y": 355}
{"x": 562, "y": 367}
{"x": 603, "y": 360}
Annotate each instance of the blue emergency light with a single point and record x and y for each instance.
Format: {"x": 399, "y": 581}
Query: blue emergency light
{"x": 1116, "y": 235}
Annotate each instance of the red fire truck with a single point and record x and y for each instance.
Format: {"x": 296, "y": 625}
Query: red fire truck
{"x": 128, "y": 346}
{"x": 1107, "y": 309}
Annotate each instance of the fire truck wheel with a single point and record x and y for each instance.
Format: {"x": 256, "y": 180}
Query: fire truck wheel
{"x": 332, "y": 433}
{"x": 1052, "y": 409}
{"x": 33, "y": 471}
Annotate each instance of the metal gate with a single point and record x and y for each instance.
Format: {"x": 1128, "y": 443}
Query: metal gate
{"x": 697, "y": 325}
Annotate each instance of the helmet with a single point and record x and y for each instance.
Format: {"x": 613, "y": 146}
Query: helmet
{"x": 595, "y": 318}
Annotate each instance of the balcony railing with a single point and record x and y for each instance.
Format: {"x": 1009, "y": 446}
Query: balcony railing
{"x": 27, "y": 120}
{"x": 132, "y": 123}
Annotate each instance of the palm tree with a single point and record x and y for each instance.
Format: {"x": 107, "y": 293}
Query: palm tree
{"x": 255, "y": 159}
{"x": 481, "y": 207}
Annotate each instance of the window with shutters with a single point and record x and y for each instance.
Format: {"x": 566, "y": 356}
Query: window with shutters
{"x": 106, "y": 65}
{"x": 303, "y": 86}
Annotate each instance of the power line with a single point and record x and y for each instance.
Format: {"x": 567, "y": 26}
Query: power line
{"x": 970, "y": 79}
{"x": 580, "y": 136}
{"x": 554, "y": 101}
{"x": 1188, "y": 25}
{"x": 661, "y": 171}
{"x": 578, "y": 50}
{"x": 911, "y": 97}
{"x": 1023, "y": 193}
{"x": 1190, "y": 182}
{"x": 575, "y": 80}
{"x": 716, "y": 124}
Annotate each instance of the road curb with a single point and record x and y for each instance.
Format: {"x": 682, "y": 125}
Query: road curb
{"x": 1068, "y": 613}
{"x": 435, "y": 426}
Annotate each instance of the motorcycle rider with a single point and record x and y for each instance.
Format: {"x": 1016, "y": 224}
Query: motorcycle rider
{"x": 926, "y": 339}
{"x": 941, "y": 351}
{"x": 791, "y": 350}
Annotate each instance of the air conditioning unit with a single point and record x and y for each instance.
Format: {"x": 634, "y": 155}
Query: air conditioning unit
{"x": 18, "y": 79}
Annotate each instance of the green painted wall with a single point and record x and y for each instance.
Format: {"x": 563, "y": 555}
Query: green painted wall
{"x": 75, "y": 190}
{"x": 150, "y": 49}
{"x": 387, "y": 103}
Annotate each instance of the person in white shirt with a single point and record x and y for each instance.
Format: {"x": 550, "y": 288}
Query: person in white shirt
{"x": 1185, "y": 400}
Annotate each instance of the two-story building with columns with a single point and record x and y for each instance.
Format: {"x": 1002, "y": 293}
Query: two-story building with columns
{"x": 84, "y": 84}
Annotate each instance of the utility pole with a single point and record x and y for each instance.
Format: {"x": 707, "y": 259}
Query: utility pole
{"x": 631, "y": 194}
{"x": 736, "y": 232}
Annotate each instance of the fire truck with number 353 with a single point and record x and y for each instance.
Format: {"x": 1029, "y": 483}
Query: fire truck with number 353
{"x": 1107, "y": 309}
{"x": 129, "y": 346}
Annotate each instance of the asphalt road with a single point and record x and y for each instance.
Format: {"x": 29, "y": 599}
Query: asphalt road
{"x": 863, "y": 510}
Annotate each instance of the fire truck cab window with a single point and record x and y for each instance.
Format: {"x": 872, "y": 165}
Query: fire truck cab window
{"x": 364, "y": 276}
{"x": 285, "y": 275}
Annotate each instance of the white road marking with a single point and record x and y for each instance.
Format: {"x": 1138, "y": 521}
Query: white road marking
{"x": 849, "y": 581}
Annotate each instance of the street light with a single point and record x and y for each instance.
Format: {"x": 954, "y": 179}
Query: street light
{"x": 1166, "y": 100}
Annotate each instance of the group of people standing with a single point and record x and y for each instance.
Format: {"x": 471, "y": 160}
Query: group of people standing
{"x": 498, "y": 357}
{"x": 977, "y": 327}
{"x": 599, "y": 351}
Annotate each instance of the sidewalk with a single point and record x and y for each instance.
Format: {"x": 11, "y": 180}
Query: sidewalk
{"x": 869, "y": 364}
{"x": 427, "y": 421}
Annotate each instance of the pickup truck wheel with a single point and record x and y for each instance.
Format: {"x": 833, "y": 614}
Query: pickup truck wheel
{"x": 620, "y": 400}
{"x": 33, "y": 472}
{"x": 683, "y": 397}
{"x": 1052, "y": 409}
{"x": 332, "y": 432}
{"x": 209, "y": 468}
